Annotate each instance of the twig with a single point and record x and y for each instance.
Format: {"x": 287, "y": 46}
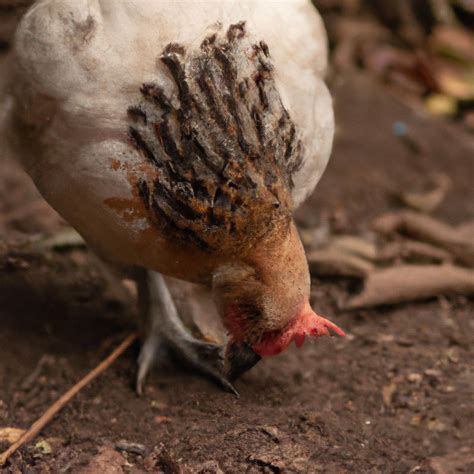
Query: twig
{"x": 41, "y": 422}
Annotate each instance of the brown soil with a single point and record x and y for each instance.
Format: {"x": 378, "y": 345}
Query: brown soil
{"x": 395, "y": 395}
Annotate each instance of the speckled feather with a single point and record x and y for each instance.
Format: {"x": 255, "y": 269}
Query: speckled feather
{"x": 225, "y": 148}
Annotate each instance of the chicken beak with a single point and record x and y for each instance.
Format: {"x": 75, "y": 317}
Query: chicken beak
{"x": 240, "y": 358}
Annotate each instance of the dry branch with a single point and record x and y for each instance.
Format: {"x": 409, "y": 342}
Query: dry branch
{"x": 407, "y": 283}
{"x": 427, "y": 229}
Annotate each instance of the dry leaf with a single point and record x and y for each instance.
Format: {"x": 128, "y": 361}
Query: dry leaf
{"x": 453, "y": 42}
{"x": 334, "y": 263}
{"x": 413, "y": 252}
{"x": 416, "y": 420}
{"x": 427, "y": 229}
{"x": 353, "y": 245}
{"x": 108, "y": 460}
{"x": 436, "y": 425}
{"x": 43, "y": 447}
{"x": 388, "y": 391}
{"x": 441, "y": 104}
{"x": 161, "y": 419}
{"x": 459, "y": 85}
{"x": 10, "y": 435}
{"x": 408, "y": 283}
{"x": 430, "y": 200}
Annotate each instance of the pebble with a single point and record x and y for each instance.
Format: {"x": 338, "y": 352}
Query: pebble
{"x": 414, "y": 378}
{"x": 133, "y": 448}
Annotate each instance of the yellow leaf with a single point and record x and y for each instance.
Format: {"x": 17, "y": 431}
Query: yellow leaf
{"x": 440, "y": 104}
{"x": 10, "y": 435}
{"x": 460, "y": 86}
{"x": 43, "y": 447}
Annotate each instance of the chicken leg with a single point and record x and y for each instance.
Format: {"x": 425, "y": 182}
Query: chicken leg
{"x": 165, "y": 332}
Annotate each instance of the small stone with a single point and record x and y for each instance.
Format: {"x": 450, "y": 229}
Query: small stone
{"x": 133, "y": 448}
{"x": 387, "y": 393}
{"x": 436, "y": 425}
{"x": 158, "y": 405}
{"x": 350, "y": 405}
{"x": 272, "y": 432}
{"x": 453, "y": 355}
{"x": 416, "y": 420}
{"x": 210, "y": 467}
{"x": 161, "y": 419}
{"x": 404, "y": 342}
{"x": 434, "y": 374}
{"x": 415, "y": 378}
{"x": 107, "y": 460}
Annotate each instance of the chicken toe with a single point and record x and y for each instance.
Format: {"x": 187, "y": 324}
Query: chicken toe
{"x": 166, "y": 333}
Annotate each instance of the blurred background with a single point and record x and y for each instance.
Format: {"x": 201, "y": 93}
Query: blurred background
{"x": 421, "y": 48}
{"x": 389, "y": 234}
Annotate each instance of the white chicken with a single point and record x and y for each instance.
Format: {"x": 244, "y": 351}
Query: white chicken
{"x": 177, "y": 137}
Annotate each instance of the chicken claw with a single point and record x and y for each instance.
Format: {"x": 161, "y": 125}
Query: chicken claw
{"x": 166, "y": 334}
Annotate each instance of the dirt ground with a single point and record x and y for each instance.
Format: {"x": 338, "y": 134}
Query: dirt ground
{"x": 394, "y": 395}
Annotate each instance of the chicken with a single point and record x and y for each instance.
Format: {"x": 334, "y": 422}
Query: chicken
{"x": 178, "y": 138}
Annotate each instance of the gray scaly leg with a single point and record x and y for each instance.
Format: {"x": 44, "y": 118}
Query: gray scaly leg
{"x": 165, "y": 331}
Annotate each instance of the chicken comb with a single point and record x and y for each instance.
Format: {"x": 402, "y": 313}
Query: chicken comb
{"x": 307, "y": 323}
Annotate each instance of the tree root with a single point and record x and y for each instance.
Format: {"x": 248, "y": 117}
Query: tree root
{"x": 329, "y": 262}
{"x": 408, "y": 283}
{"x": 413, "y": 252}
{"x": 429, "y": 200}
{"x": 427, "y": 229}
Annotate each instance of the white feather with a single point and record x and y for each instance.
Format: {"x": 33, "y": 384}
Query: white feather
{"x": 80, "y": 64}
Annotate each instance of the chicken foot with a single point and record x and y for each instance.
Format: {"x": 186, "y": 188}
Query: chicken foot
{"x": 166, "y": 333}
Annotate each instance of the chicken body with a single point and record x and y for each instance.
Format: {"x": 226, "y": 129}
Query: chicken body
{"x": 111, "y": 98}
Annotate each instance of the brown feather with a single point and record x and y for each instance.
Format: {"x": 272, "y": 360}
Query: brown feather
{"x": 225, "y": 156}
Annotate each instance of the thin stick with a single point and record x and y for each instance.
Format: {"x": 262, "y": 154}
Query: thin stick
{"x": 41, "y": 422}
